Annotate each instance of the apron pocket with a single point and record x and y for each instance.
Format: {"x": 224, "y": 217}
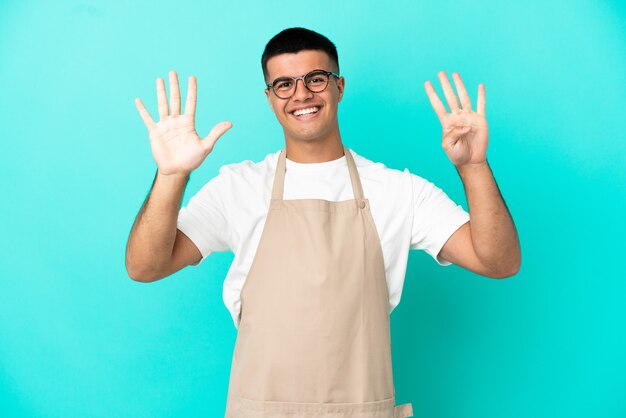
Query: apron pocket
{"x": 386, "y": 408}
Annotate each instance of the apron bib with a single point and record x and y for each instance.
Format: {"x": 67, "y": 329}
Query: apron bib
{"x": 313, "y": 337}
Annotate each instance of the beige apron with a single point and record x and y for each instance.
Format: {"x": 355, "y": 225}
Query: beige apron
{"x": 313, "y": 338}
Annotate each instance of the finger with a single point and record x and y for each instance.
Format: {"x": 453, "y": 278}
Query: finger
{"x": 143, "y": 112}
{"x": 466, "y": 103}
{"x": 174, "y": 94}
{"x": 453, "y": 103}
{"x": 217, "y": 131}
{"x": 436, "y": 103}
{"x": 190, "y": 104}
{"x": 161, "y": 98}
{"x": 455, "y": 134}
{"x": 480, "y": 103}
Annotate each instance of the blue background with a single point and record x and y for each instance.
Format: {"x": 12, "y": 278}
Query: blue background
{"x": 78, "y": 338}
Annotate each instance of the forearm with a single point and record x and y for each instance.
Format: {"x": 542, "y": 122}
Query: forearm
{"x": 493, "y": 232}
{"x": 153, "y": 234}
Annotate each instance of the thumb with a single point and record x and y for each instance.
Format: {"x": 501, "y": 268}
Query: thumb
{"x": 217, "y": 131}
{"x": 453, "y": 136}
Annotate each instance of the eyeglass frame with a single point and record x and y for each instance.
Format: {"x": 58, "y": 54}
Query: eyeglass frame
{"x": 295, "y": 82}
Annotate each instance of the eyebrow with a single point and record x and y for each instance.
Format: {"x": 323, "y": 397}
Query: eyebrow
{"x": 294, "y": 76}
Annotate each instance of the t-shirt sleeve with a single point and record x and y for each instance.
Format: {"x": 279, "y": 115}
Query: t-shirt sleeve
{"x": 435, "y": 218}
{"x": 204, "y": 219}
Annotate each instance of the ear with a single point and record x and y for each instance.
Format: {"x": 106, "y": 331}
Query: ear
{"x": 341, "y": 84}
{"x": 267, "y": 94}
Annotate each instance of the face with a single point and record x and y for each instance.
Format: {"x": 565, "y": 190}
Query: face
{"x": 319, "y": 125}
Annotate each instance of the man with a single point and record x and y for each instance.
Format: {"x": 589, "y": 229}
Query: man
{"x": 320, "y": 235}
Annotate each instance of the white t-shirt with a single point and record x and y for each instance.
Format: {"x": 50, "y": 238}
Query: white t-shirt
{"x": 229, "y": 213}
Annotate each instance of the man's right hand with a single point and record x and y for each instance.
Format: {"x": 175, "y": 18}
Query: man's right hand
{"x": 175, "y": 144}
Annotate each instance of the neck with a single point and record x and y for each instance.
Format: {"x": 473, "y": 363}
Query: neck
{"x": 314, "y": 151}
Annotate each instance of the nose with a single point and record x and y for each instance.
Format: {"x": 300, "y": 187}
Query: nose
{"x": 301, "y": 93}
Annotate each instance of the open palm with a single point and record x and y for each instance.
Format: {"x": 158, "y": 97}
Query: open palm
{"x": 176, "y": 146}
{"x": 465, "y": 132}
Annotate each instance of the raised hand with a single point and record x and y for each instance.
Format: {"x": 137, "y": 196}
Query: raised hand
{"x": 175, "y": 144}
{"x": 465, "y": 132}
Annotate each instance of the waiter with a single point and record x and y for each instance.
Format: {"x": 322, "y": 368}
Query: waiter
{"x": 320, "y": 235}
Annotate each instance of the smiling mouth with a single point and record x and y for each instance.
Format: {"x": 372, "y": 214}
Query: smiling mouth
{"x": 302, "y": 113}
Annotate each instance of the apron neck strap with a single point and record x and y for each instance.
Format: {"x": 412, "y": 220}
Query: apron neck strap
{"x": 357, "y": 189}
{"x": 279, "y": 177}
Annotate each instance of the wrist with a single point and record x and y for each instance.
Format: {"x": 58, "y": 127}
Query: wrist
{"x": 172, "y": 179}
{"x": 470, "y": 168}
{"x": 179, "y": 175}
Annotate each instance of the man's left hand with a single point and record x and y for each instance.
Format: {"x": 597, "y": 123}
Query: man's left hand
{"x": 465, "y": 132}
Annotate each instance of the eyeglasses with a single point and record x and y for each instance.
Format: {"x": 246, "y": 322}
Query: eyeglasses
{"x": 315, "y": 81}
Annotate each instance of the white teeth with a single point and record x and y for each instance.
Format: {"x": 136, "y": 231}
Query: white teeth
{"x": 306, "y": 111}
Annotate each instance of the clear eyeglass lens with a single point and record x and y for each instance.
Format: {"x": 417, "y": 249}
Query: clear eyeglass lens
{"x": 283, "y": 87}
{"x": 315, "y": 81}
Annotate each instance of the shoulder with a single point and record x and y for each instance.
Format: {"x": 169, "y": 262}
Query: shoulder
{"x": 249, "y": 168}
{"x": 235, "y": 177}
{"x": 380, "y": 172}
{"x": 393, "y": 183}
{"x": 247, "y": 174}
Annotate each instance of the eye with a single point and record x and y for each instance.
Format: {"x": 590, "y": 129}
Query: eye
{"x": 283, "y": 84}
{"x": 317, "y": 79}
